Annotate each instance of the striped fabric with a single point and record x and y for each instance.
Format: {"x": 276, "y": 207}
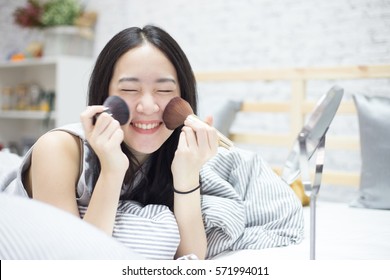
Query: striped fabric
{"x": 150, "y": 230}
{"x": 246, "y": 205}
{"x": 32, "y": 230}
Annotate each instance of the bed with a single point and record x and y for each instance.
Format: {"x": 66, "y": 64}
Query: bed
{"x": 343, "y": 232}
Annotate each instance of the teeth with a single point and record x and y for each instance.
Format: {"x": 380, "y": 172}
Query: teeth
{"x": 146, "y": 126}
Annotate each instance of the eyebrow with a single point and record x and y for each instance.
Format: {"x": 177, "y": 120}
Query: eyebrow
{"x": 164, "y": 80}
{"x": 160, "y": 80}
{"x": 128, "y": 79}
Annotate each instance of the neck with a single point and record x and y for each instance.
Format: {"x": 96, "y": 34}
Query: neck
{"x": 141, "y": 157}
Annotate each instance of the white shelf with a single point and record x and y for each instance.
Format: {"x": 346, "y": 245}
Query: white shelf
{"x": 66, "y": 76}
{"x": 30, "y": 115}
{"x": 41, "y": 61}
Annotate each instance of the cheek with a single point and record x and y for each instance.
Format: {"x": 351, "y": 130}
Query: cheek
{"x": 167, "y": 133}
{"x": 132, "y": 107}
{"x": 163, "y": 105}
{"x": 165, "y": 102}
{"x": 131, "y": 104}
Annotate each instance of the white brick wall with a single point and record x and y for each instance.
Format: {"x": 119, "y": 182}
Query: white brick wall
{"x": 229, "y": 34}
{"x": 241, "y": 34}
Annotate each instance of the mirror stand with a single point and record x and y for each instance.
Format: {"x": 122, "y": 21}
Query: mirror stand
{"x": 311, "y": 189}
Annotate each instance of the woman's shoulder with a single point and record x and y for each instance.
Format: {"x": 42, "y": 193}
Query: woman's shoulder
{"x": 57, "y": 153}
{"x": 58, "y": 141}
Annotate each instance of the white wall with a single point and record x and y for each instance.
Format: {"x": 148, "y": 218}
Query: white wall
{"x": 230, "y": 34}
{"x": 265, "y": 33}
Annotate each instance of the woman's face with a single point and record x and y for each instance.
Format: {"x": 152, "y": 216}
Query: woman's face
{"x": 147, "y": 81}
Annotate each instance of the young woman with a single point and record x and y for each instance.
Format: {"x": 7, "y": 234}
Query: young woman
{"x": 140, "y": 182}
{"x": 147, "y": 68}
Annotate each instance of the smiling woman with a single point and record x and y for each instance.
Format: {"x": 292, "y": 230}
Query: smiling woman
{"x": 148, "y": 186}
{"x": 146, "y": 92}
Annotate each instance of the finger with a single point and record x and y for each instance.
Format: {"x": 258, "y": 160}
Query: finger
{"x": 213, "y": 140}
{"x": 87, "y": 115}
{"x": 182, "y": 141}
{"x": 201, "y": 129}
{"x": 209, "y": 120}
{"x": 207, "y": 140}
{"x": 102, "y": 122}
{"x": 118, "y": 135}
{"x": 212, "y": 134}
{"x": 190, "y": 136}
{"x": 202, "y": 139}
{"x": 110, "y": 129}
{"x": 195, "y": 123}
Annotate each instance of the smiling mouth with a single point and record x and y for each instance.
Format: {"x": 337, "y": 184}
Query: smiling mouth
{"x": 146, "y": 126}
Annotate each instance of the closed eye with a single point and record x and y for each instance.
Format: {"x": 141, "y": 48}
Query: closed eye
{"x": 129, "y": 90}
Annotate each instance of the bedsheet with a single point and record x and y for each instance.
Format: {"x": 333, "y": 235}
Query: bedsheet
{"x": 343, "y": 233}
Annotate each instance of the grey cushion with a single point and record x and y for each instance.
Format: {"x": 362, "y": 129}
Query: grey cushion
{"x": 224, "y": 117}
{"x": 30, "y": 229}
{"x": 374, "y": 125}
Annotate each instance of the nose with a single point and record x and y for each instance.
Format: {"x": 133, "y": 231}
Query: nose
{"x": 147, "y": 105}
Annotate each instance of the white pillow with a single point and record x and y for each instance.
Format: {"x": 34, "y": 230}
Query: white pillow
{"x": 30, "y": 229}
{"x": 8, "y": 162}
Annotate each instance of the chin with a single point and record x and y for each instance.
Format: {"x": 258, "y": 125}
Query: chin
{"x": 142, "y": 148}
{"x": 147, "y": 144}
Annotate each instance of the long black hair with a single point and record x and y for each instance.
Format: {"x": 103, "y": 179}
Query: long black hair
{"x": 156, "y": 186}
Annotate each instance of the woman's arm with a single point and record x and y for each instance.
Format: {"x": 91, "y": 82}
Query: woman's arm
{"x": 197, "y": 144}
{"x": 55, "y": 169}
{"x": 105, "y": 137}
{"x": 189, "y": 219}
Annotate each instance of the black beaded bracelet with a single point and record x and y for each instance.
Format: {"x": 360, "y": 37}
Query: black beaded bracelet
{"x": 187, "y": 192}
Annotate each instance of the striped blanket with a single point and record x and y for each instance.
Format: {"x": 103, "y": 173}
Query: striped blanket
{"x": 246, "y": 205}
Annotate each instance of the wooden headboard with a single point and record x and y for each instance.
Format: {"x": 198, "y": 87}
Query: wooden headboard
{"x": 298, "y": 79}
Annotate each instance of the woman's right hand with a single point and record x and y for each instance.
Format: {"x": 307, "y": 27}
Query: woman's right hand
{"x": 105, "y": 138}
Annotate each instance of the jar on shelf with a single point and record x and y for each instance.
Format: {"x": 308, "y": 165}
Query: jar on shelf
{"x": 6, "y": 98}
{"x": 34, "y": 94}
{"x": 21, "y": 95}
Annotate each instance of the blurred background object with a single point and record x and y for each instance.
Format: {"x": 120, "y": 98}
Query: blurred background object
{"x": 67, "y": 28}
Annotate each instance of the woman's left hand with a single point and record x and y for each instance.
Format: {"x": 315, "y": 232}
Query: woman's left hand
{"x": 198, "y": 143}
